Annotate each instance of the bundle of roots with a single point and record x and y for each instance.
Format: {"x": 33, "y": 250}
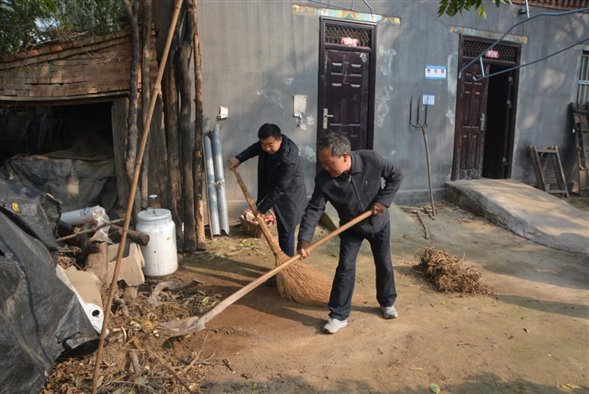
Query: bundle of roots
{"x": 448, "y": 274}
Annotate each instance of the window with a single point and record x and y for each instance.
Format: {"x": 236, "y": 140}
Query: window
{"x": 342, "y": 34}
{"x": 583, "y": 86}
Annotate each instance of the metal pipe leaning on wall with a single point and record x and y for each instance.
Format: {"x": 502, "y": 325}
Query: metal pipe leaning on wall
{"x": 212, "y": 192}
{"x": 220, "y": 179}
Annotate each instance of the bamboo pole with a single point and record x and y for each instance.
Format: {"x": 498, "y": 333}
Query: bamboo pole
{"x": 132, "y": 193}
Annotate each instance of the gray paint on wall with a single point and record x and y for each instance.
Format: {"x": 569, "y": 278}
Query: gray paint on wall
{"x": 258, "y": 54}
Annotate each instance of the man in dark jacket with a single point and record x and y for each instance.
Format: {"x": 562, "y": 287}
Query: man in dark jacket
{"x": 280, "y": 181}
{"x": 351, "y": 182}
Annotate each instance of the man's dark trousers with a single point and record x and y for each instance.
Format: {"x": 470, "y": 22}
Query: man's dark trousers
{"x": 340, "y": 300}
{"x": 286, "y": 238}
{"x": 286, "y": 241}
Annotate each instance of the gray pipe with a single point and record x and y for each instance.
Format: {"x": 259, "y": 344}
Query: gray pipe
{"x": 220, "y": 178}
{"x": 212, "y": 192}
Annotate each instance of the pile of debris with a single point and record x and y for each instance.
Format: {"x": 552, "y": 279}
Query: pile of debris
{"x": 448, "y": 274}
{"x": 137, "y": 357}
{"x": 56, "y": 268}
{"x": 135, "y": 360}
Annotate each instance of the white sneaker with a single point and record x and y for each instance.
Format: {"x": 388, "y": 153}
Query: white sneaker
{"x": 333, "y": 325}
{"x": 388, "y": 312}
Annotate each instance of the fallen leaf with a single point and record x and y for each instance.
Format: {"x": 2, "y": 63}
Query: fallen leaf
{"x": 434, "y": 388}
{"x": 569, "y": 386}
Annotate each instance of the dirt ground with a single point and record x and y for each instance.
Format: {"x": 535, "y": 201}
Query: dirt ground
{"x": 531, "y": 337}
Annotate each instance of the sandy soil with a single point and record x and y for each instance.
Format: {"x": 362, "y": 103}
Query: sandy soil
{"x": 532, "y": 337}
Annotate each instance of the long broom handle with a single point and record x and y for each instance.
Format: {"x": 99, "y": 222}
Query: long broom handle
{"x": 246, "y": 289}
{"x": 265, "y": 230}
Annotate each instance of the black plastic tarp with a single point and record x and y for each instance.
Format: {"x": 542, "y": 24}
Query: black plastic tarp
{"x": 40, "y": 317}
{"x": 79, "y": 177}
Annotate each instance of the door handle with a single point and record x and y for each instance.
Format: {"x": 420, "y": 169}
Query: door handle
{"x": 483, "y": 119}
{"x": 326, "y": 116}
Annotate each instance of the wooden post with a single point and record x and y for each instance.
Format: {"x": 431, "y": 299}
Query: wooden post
{"x": 198, "y": 164}
{"x": 170, "y": 100}
{"x": 186, "y": 135}
{"x": 132, "y": 12}
{"x": 145, "y": 63}
{"x": 159, "y": 175}
{"x": 119, "y": 142}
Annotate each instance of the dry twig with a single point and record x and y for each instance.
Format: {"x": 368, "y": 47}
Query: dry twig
{"x": 448, "y": 274}
{"x": 171, "y": 370}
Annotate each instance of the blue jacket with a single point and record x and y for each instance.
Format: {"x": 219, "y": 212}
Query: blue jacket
{"x": 281, "y": 184}
{"x": 353, "y": 193}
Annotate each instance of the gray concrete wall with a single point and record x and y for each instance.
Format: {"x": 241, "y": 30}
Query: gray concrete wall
{"x": 258, "y": 54}
{"x": 545, "y": 90}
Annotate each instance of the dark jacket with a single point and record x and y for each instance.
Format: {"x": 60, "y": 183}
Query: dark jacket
{"x": 352, "y": 194}
{"x": 280, "y": 181}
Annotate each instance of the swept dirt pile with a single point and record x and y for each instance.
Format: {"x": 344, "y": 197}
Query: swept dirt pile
{"x": 449, "y": 275}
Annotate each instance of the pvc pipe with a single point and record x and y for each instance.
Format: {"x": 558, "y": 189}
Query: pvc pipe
{"x": 212, "y": 192}
{"x": 220, "y": 179}
{"x": 95, "y": 214}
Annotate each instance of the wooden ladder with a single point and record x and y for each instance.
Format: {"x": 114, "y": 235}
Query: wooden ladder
{"x": 580, "y": 121}
{"x": 548, "y": 169}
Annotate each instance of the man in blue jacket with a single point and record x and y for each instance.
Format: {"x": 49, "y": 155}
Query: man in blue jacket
{"x": 281, "y": 185}
{"x": 351, "y": 182}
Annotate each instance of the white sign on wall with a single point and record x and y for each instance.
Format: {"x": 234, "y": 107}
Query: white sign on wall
{"x": 435, "y": 72}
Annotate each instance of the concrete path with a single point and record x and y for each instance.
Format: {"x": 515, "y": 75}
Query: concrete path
{"x": 525, "y": 210}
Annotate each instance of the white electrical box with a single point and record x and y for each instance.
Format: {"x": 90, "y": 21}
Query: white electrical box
{"x": 223, "y": 113}
{"x": 300, "y": 105}
{"x": 428, "y": 99}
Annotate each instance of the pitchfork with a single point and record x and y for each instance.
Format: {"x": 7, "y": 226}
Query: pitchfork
{"x": 423, "y": 126}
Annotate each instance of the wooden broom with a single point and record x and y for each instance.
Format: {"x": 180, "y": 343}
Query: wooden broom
{"x": 299, "y": 282}
{"x": 174, "y": 328}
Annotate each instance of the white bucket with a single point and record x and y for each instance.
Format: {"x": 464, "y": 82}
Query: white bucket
{"x": 160, "y": 254}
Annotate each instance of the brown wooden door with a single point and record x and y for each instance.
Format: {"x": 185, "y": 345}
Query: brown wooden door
{"x": 346, "y": 81}
{"x": 469, "y": 137}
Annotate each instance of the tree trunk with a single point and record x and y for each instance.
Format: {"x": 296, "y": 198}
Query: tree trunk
{"x": 170, "y": 99}
{"x": 186, "y": 134}
{"x": 132, "y": 13}
{"x": 159, "y": 175}
{"x": 198, "y": 164}
{"x": 145, "y": 63}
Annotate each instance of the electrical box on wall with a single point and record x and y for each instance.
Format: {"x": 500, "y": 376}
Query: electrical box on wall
{"x": 299, "y": 105}
{"x": 223, "y": 113}
{"x": 428, "y": 99}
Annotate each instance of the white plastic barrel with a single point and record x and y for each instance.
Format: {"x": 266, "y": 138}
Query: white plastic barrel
{"x": 160, "y": 253}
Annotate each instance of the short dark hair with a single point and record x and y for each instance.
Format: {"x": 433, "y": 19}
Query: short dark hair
{"x": 337, "y": 143}
{"x": 269, "y": 129}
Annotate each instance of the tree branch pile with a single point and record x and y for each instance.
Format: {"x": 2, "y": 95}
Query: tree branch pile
{"x": 449, "y": 275}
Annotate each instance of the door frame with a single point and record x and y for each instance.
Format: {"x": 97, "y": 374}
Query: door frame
{"x": 510, "y": 127}
{"x": 323, "y": 22}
